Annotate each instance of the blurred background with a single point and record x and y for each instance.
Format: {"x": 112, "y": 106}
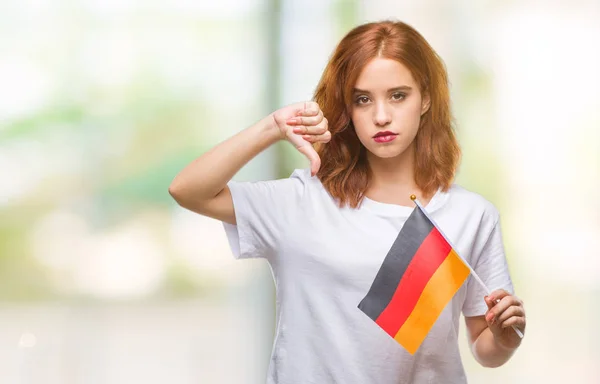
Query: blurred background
{"x": 103, "y": 279}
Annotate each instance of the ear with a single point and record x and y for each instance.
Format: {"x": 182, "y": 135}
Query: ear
{"x": 425, "y": 103}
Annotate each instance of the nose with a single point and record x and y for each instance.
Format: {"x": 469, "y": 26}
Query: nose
{"x": 382, "y": 115}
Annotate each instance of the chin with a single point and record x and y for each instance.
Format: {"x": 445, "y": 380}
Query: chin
{"x": 387, "y": 153}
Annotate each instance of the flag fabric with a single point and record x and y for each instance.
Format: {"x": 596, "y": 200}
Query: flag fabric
{"x": 418, "y": 278}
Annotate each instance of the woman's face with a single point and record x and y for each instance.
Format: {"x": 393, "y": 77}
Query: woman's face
{"x": 387, "y": 108}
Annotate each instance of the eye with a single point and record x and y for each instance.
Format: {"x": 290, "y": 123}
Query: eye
{"x": 361, "y": 100}
{"x": 398, "y": 96}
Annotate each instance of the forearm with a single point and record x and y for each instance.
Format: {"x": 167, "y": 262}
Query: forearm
{"x": 206, "y": 176}
{"x": 488, "y": 352}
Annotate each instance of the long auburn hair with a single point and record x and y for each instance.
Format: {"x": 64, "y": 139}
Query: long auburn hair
{"x": 344, "y": 171}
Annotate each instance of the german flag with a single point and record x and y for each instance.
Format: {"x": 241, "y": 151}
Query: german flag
{"x": 419, "y": 276}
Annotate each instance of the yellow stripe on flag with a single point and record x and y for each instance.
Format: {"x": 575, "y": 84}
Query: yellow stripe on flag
{"x": 440, "y": 289}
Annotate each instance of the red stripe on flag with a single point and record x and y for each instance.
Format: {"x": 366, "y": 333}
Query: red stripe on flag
{"x": 430, "y": 255}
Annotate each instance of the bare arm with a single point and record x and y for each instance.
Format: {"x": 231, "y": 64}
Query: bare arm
{"x": 484, "y": 347}
{"x": 202, "y": 185}
{"x": 493, "y": 342}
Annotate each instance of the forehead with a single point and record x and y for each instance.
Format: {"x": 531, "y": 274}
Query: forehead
{"x": 382, "y": 74}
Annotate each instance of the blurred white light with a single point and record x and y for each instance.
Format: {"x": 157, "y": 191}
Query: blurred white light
{"x": 202, "y": 7}
{"x": 126, "y": 262}
{"x": 25, "y": 87}
{"x": 26, "y": 163}
{"x": 547, "y": 101}
{"x": 58, "y": 239}
{"x": 27, "y": 340}
{"x": 110, "y": 59}
{"x": 21, "y": 168}
{"x": 202, "y": 243}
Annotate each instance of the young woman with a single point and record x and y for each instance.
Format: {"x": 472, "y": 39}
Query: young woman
{"x": 378, "y": 130}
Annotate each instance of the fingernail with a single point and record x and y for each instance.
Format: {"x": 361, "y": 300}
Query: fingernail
{"x": 292, "y": 121}
{"x": 297, "y": 130}
{"x": 299, "y": 113}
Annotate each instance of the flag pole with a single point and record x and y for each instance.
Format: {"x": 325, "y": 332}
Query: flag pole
{"x": 414, "y": 199}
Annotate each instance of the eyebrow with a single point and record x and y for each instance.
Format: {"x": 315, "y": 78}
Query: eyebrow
{"x": 400, "y": 88}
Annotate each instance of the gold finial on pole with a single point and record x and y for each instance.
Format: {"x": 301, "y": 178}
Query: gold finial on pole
{"x": 413, "y": 197}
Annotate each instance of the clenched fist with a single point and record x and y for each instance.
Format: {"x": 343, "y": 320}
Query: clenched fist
{"x": 303, "y": 124}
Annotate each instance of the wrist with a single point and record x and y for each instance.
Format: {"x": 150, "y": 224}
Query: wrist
{"x": 506, "y": 348}
{"x": 271, "y": 130}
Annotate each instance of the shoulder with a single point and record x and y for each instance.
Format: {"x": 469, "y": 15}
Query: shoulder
{"x": 273, "y": 192}
{"x": 298, "y": 179}
{"x": 302, "y": 175}
{"x": 472, "y": 203}
{"x": 302, "y": 178}
{"x": 475, "y": 222}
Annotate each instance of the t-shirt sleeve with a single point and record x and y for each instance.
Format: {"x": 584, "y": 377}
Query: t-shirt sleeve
{"x": 491, "y": 266}
{"x": 263, "y": 209}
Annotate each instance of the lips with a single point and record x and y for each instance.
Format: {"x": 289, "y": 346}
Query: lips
{"x": 385, "y": 133}
{"x": 384, "y": 137}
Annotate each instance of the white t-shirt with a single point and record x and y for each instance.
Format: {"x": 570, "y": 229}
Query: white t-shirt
{"x": 324, "y": 260}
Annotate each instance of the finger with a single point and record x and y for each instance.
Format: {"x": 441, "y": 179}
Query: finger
{"x": 302, "y": 118}
{"x": 311, "y": 108}
{"x": 517, "y": 321}
{"x": 324, "y": 138}
{"x": 315, "y": 161}
{"x": 493, "y": 298}
{"x": 310, "y": 130}
{"x": 316, "y": 130}
{"x": 510, "y": 312}
{"x": 306, "y": 120}
{"x": 498, "y": 295}
{"x": 501, "y": 306}
{"x": 490, "y": 304}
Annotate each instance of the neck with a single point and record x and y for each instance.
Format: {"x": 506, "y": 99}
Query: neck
{"x": 393, "y": 173}
{"x": 393, "y": 179}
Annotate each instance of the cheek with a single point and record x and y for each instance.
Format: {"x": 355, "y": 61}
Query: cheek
{"x": 409, "y": 112}
{"x": 361, "y": 123}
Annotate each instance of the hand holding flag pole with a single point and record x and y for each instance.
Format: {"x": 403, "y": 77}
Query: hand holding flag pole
{"x": 414, "y": 199}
